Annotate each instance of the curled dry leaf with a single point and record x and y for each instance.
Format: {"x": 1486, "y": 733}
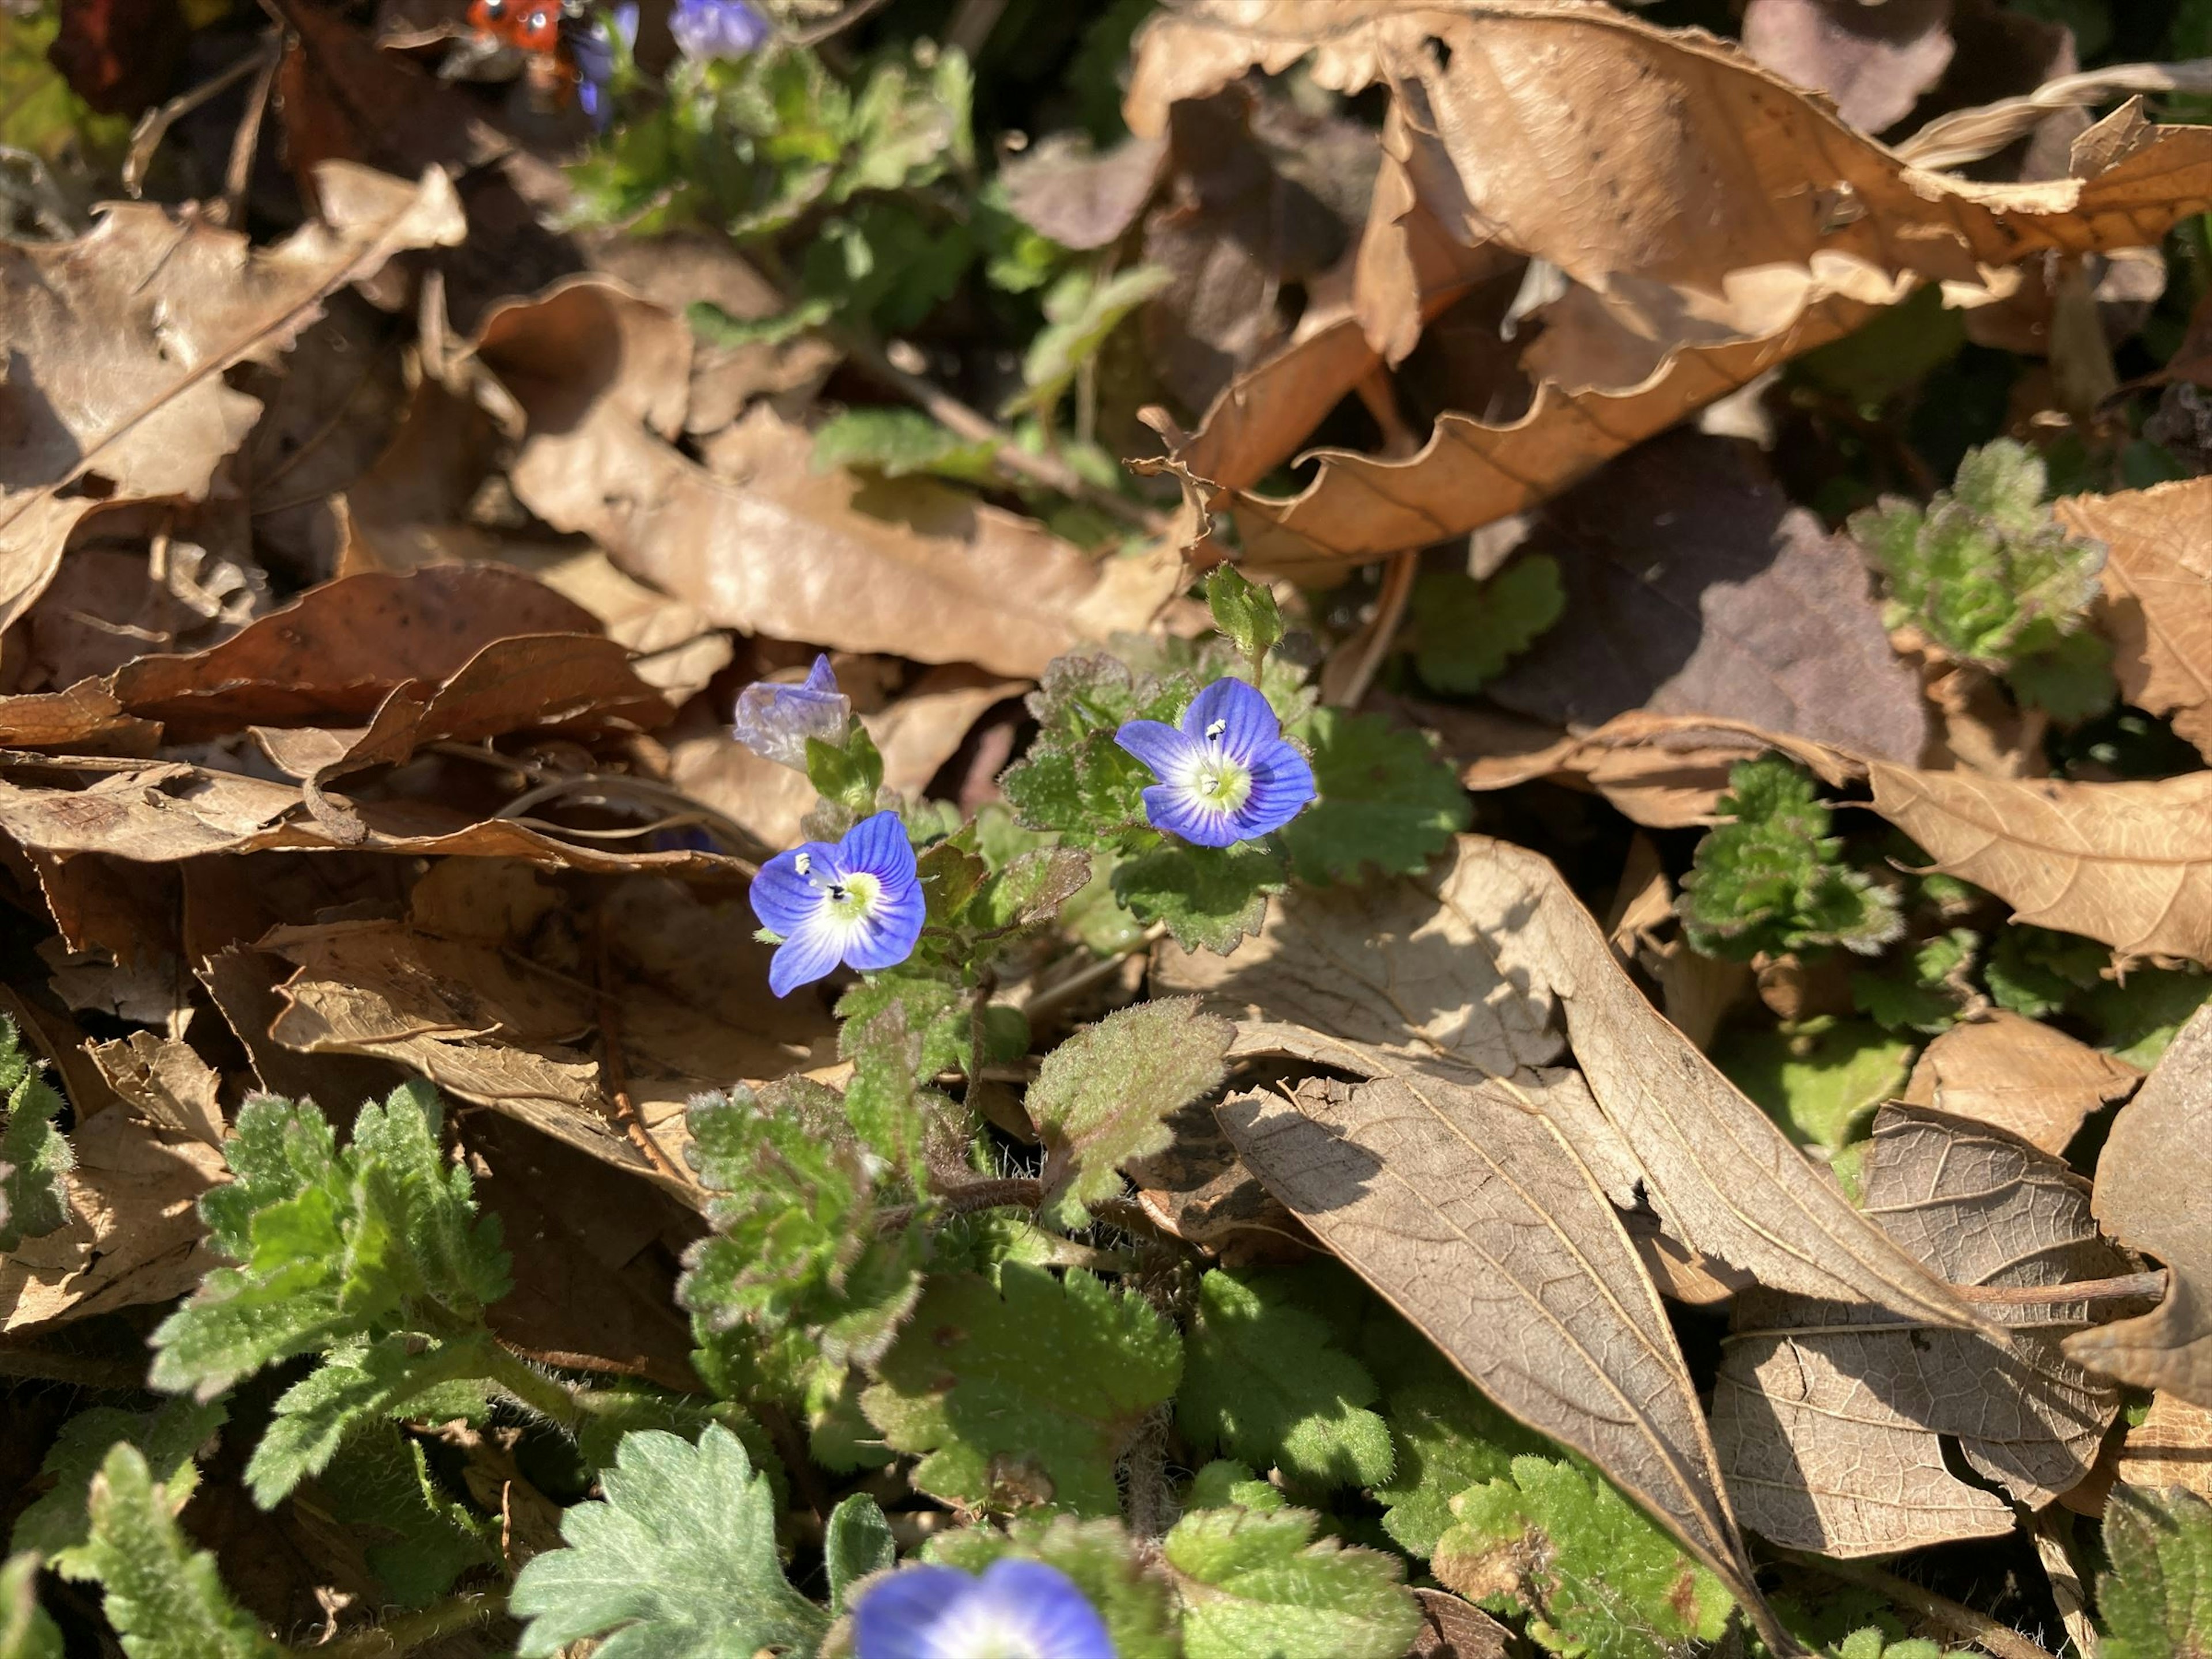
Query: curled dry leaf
{"x": 166, "y": 1081}
{"x": 1471, "y": 971}
{"x": 1830, "y": 1419}
{"x": 119, "y": 340}
{"x": 2171, "y": 1447}
{"x": 2152, "y": 1179}
{"x": 2158, "y": 596}
{"x": 1737, "y": 223}
{"x": 763, "y": 542}
{"x": 2020, "y": 1076}
{"x": 1462, "y": 1204}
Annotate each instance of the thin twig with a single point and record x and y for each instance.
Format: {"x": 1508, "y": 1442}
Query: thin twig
{"x": 412, "y": 1630}
{"x": 146, "y": 137}
{"x": 2132, "y": 1287}
{"x": 246, "y": 143}
{"x": 949, "y": 411}
{"x": 1990, "y": 1634}
{"x": 1097, "y": 973}
{"x": 1381, "y": 633}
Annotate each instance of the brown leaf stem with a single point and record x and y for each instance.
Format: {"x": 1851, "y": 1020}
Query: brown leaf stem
{"x": 1990, "y": 1634}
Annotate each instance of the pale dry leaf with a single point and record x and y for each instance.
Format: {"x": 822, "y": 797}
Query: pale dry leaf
{"x": 1467, "y": 1210}
{"x": 1472, "y": 970}
{"x": 2128, "y": 863}
{"x": 117, "y": 342}
{"x": 1873, "y": 61}
{"x": 2157, "y": 609}
{"x": 166, "y": 1080}
{"x": 1830, "y": 1419}
{"x": 764, "y": 542}
{"x": 2171, "y": 1447}
{"x": 133, "y": 1236}
{"x": 2018, "y": 1075}
{"x": 678, "y": 651}
{"x": 1455, "y": 1629}
{"x": 2152, "y": 1179}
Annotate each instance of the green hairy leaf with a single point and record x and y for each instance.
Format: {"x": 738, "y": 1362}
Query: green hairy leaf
{"x": 1445, "y": 1437}
{"x": 1262, "y": 1381}
{"x": 679, "y": 1562}
{"x": 899, "y": 443}
{"x": 361, "y": 1383}
{"x": 1931, "y": 992}
{"x": 1821, "y": 1079}
{"x": 856, "y": 1542}
{"x": 380, "y": 1238}
{"x": 2156, "y": 1602}
{"x": 1104, "y": 1096}
{"x": 1770, "y": 881}
{"x": 1594, "y": 1573}
{"x": 168, "y": 1437}
{"x": 34, "y": 1155}
{"x": 1138, "y": 1605}
{"x": 381, "y": 1480}
{"x": 1209, "y": 898}
{"x": 1224, "y": 1483}
{"x": 26, "y": 1632}
{"x": 162, "y": 1596}
{"x": 1986, "y": 572}
{"x": 1388, "y": 799}
{"x": 1027, "y": 1392}
{"x": 1245, "y": 612}
{"x": 1256, "y": 1586}
{"x": 1469, "y": 630}
{"x": 1080, "y": 311}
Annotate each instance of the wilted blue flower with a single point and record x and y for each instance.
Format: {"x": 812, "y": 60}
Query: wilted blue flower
{"x": 774, "y": 722}
{"x": 1226, "y": 774}
{"x": 708, "y": 29}
{"x": 1016, "y": 1610}
{"x": 859, "y": 903}
{"x": 595, "y": 61}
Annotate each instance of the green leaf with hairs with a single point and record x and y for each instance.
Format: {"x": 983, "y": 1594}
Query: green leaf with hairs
{"x": 1256, "y": 1585}
{"x": 34, "y": 1154}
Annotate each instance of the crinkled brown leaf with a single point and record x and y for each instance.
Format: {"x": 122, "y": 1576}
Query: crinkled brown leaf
{"x": 2171, "y": 1447}
{"x": 1465, "y": 1208}
{"x": 118, "y": 341}
{"x": 2152, "y": 1180}
{"x": 2018, "y": 1075}
{"x": 1471, "y": 972}
{"x": 2158, "y": 596}
{"x": 763, "y": 542}
{"x": 1830, "y": 1419}
{"x": 1694, "y": 588}
{"x": 1454, "y": 1629}
{"x": 166, "y": 1081}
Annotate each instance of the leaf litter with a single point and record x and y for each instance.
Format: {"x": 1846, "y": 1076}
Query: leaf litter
{"x": 1744, "y": 621}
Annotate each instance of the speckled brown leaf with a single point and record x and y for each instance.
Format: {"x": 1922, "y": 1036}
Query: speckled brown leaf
{"x": 762, "y": 542}
{"x": 2152, "y": 1181}
{"x": 2018, "y": 1075}
{"x": 1465, "y": 1208}
{"x": 1830, "y": 1419}
{"x": 117, "y": 345}
{"x": 1694, "y": 588}
{"x": 1472, "y": 970}
{"x": 2158, "y": 596}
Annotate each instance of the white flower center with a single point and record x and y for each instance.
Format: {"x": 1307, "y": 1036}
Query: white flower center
{"x": 980, "y": 1630}
{"x": 1220, "y": 784}
{"x": 854, "y": 897}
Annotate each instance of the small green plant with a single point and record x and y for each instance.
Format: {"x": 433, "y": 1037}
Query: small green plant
{"x": 2156, "y": 1602}
{"x": 1986, "y": 573}
{"x": 1770, "y": 879}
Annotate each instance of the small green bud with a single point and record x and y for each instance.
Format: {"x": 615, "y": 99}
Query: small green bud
{"x": 1244, "y": 611}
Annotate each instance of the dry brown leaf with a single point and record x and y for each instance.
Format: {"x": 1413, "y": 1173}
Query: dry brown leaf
{"x": 2129, "y": 864}
{"x": 2171, "y": 1447}
{"x": 2019, "y": 1076}
{"x": 1062, "y": 188}
{"x": 1873, "y": 61}
{"x": 2152, "y": 1178}
{"x": 119, "y": 339}
{"x": 1452, "y": 1629}
{"x": 678, "y": 651}
{"x": 1465, "y": 1207}
{"x": 166, "y": 1080}
{"x": 1830, "y": 1419}
{"x": 764, "y": 544}
{"x": 133, "y": 1236}
{"x": 1471, "y": 971}
{"x": 2158, "y": 596}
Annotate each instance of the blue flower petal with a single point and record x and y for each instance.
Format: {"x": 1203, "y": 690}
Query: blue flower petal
{"x": 1170, "y": 807}
{"x": 1247, "y": 723}
{"x": 784, "y": 898}
{"x": 1168, "y": 752}
{"x": 894, "y": 1620}
{"x": 878, "y": 845}
{"x": 1059, "y": 1621}
{"x": 1282, "y": 788}
{"x": 707, "y": 30}
{"x": 774, "y": 722}
{"x": 887, "y": 938}
{"x": 808, "y": 952}
{"x": 821, "y": 678}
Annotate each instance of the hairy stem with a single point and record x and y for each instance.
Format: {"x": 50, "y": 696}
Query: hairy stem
{"x": 412, "y": 1630}
{"x": 526, "y": 1385}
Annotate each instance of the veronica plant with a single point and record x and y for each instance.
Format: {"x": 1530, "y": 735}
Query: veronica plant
{"x": 1023, "y": 1608}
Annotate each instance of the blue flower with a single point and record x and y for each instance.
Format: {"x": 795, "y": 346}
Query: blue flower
{"x": 859, "y": 903}
{"x": 1226, "y": 774}
{"x": 595, "y": 61}
{"x": 708, "y": 29}
{"x": 774, "y": 722}
{"x": 1016, "y": 1610}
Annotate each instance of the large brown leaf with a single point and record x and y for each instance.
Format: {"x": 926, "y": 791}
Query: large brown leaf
{"x": 118, "y": 341}
{"x": 1830, "y": 1419}
{"x": 2158, "y": 596}
{"x": 764, "y": 542}
{"x": 1465, "y": 1207}
{"x": 1469, "y": 973}
{"x": 2152, "y": 1179}
{"x": 2020, "y": 1075}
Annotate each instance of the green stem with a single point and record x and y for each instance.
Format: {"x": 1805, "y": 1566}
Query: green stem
{"x": 412, "y": 1630}
{"x": 522, "y": 1381}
